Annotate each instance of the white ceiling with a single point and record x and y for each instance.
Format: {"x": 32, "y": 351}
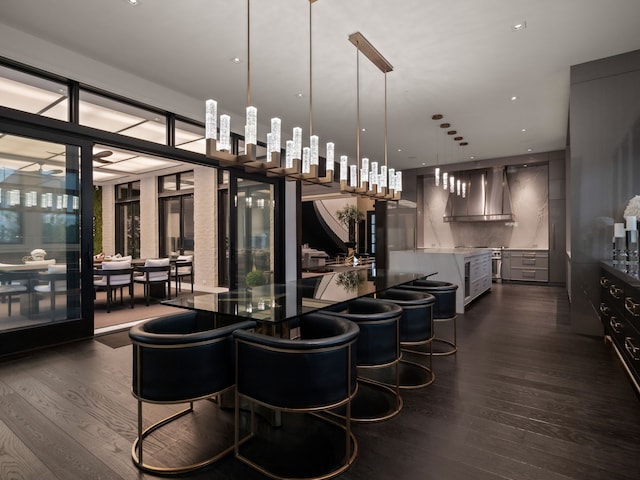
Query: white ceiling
{"x": 459, "y": 58}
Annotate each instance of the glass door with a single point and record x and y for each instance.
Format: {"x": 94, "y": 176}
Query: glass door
{"x": 128, "y": 228}
{"x": 177, "y": 228}
{"x": 255, "y": 252}
{"x": 40, "y": 216}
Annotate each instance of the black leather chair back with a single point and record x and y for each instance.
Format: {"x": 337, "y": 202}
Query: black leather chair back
{"x": 310, "y": 372}
{"x": 378, "y": 342}
{"x": 417, "y": 313}
{"x": 175, "y": 360}
{"x": 445, "y": 293}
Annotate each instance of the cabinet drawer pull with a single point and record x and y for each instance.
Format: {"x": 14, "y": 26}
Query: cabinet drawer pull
{"x": 615, "y": 292}
{"x": 605, "y": 282}
{"x": 528, "y": 255}
{"x": 633, "y": 350}
{"x": 615, "y": 325}
{"x": 605, "y": 310}
{"x": 632, "y": 307}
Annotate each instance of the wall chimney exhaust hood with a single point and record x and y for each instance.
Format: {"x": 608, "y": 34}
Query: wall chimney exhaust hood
{"x": 487, "y": 200}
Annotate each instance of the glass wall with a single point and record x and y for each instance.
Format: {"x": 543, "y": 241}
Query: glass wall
{"x": 255, "y": 233}
{"x": 104, "y": 113}
{"x": 39, "y": 232}
{"x": 176, "y": 214}
{"x": 128, "y": 219}
{"x": 33, "y": 94}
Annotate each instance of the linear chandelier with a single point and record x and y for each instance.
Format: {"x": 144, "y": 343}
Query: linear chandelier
{"x": 449, "y": 182}
{"x": 363, "y": 178}
{"x": 302, "y": 163}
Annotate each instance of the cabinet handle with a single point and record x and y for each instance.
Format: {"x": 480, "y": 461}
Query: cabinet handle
{"x": 632, "y": 307}
{"x": 633, "y": 350}
{"x": 605, "y": 282}
{"x": 529, "y": 255}
{"x": 605, "y": 310}
{"x": 615, "y": 292}
{"x": 615, "y": 325}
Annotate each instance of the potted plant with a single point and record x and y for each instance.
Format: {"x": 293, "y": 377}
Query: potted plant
{"x": 349, "y": 216}
{"x": 255, "y": 278}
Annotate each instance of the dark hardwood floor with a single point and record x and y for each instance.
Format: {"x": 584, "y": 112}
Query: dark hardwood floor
{"x": 522, "y": 399}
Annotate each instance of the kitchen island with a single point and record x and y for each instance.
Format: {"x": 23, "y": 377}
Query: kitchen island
{"x": 469, "y": 268}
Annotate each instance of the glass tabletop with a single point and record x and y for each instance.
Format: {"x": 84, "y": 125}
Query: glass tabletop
{"x": 275, "y": 303}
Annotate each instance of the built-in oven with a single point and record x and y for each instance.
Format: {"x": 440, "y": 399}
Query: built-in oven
{"x": 496, "y": 264}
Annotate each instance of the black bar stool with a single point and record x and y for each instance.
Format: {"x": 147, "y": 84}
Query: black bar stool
{"x": 377, "y": 348}
{"x": 444, "y": 309}
{"x": 416, "y": 333}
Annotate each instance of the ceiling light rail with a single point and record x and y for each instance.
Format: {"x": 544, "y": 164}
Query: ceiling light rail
{"x": 303, "y": 163}
{"x": 363, "y": 178}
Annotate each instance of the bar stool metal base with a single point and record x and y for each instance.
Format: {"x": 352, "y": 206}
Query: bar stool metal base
{"x": 378, "y": 396}
{"x": 296, "y": 461}
{"x": 136, "y": 449}
{"x": 452, "y": 346}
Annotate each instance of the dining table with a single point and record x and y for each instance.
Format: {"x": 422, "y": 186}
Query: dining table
{"x": 29, "y": 274}
{"x": 273, "y": 306}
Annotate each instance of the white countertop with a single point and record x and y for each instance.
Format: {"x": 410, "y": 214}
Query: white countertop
{"x": 457, "y": 251}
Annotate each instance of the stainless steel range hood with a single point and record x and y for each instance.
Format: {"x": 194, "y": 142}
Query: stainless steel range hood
{"x": 487, "y": 200}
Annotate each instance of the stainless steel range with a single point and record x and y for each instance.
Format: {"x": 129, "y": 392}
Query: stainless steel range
{"x": 496, "y": 264}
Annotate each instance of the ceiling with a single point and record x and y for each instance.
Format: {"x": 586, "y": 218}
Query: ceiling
{"x": 461, "y": 59}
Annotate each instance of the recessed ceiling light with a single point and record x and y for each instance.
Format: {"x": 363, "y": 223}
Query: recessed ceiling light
{"x": 424, "y": 163}
{"x": 235, "y": 60}
{"x": 133, "y": 2}
{"x": 472, "y": 157}
{"x": 529, "y": 149}
{"x": 364, "y": 129}
{"x": 399, "y": 149}
{"x": 517, "y": 26}
{"x": 514, "y": 98}
{"x": 523, "y": 130}
{"x": 299, "y": 95}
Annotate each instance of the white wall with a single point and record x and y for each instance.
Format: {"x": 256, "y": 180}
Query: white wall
{"x": 205, "y": 217}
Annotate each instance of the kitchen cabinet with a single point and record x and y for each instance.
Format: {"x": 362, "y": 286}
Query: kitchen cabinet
{"x": 620, "y": 315}
{"x": 525, "y": 265}
{"x": 479, "y": 279}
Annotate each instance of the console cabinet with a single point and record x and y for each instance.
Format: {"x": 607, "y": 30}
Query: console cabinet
{"x": 620, "y": 316}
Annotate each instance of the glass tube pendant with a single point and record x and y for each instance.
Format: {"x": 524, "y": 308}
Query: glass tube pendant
{"x": 306, "y": 157}
{"x": 211, "y": 119}
{"x": 314, "y": 154}
{"x": 330, "y": 157}
{"x": 225, "y": 133}
{"x": 276, "y": 135}
{"x": 445, "y": 183}
{"x": 344, "y": 168}
{"x": 288, "y": 156}
{"x": 297, "y": 143}
{"x": 353, "y": 176}
{"x": 251, "y": 127}
{"x": 437, "y": 175}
